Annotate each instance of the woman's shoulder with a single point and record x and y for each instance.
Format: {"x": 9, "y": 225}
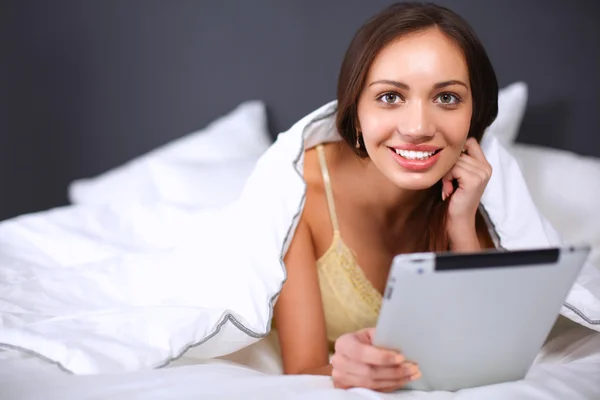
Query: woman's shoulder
{"x": 313, "y": 171}
{"x": 315, "y": 208}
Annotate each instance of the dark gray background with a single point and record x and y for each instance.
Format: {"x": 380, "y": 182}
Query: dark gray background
{"x": 88, "y": 85}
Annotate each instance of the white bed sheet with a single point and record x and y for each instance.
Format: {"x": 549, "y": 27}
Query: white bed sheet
{"x": 568, "y": 367}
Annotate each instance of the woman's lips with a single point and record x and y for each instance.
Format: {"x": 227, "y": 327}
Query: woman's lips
{"x": 415, "y": 164}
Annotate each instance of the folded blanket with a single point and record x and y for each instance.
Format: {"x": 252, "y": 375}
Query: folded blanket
{"x": 105, "y": 289}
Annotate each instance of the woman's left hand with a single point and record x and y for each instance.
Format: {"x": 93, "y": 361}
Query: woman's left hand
{"x": 472, "y": 172}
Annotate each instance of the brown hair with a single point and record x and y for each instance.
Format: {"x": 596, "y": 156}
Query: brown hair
{"x": 395, "y": 21}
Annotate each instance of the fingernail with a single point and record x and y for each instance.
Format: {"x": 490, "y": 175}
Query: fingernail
{"x": 411, "y": 369}
{"x": 415, "y": 376}
{"x": 443, "y": 196}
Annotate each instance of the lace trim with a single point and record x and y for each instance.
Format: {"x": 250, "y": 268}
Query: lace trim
{"x": 340, "y": 258}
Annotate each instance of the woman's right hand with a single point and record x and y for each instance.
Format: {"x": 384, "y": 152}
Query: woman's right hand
{"x": 357, "y": 363}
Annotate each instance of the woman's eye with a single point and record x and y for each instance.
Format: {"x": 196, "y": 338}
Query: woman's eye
{"x": 390, "y": 98}
{"x": 447, "y": 98}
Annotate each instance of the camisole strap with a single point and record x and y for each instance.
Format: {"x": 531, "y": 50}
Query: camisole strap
{"x": 328, "y": 190}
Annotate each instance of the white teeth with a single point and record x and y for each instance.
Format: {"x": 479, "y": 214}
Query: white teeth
{"x": 414, "y": 155}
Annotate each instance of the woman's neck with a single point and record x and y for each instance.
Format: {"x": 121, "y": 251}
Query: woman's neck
{"x": 377, "y": 195}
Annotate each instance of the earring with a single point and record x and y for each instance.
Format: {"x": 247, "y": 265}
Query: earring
{"x": 358, "y": 140}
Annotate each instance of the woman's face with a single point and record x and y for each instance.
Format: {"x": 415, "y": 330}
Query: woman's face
{"x": 415, "y": 109}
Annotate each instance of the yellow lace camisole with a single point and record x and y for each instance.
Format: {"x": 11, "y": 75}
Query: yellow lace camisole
{"x": 350, "y": 302}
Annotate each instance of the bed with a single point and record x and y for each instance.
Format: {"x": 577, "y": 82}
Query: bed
{"x": 118, "y": 208}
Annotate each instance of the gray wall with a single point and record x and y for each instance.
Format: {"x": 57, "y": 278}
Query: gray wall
{"x": 87, "y": 85}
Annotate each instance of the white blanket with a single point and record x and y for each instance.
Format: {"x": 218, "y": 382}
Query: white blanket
{"x": 567, "y": 368}
{"x": 104, "y": 289}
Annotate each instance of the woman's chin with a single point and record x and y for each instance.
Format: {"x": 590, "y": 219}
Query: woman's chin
{"x": 416, "y": 182}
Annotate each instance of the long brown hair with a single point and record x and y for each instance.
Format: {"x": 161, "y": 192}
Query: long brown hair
{"x": 398, "y": 20}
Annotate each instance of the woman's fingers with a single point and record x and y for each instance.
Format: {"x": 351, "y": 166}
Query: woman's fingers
{"x": 473, "y": 149}
{"x": 482, "y": 166}
{"x": 377, "y": 373}
{"x": 473, "y": 168}
{"x": 475, "y": 175}
{"x": 357, "y": 363}
{"x": 393, "y": 388}
{"x": 467, "y": 173}
{"x": 346, "y": 381}
{"x": 476, "y": 156}
{"x": 352, "y": 347}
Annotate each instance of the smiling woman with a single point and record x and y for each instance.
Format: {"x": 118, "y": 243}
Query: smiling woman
{"x": 416, "y": 91}
{"x": 418, "y": 110}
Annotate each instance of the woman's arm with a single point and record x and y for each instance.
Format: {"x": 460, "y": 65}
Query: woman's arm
{"x": 299, "y": 310}
{"x": 464, "y": 238}
{"x": 303, "y": 337}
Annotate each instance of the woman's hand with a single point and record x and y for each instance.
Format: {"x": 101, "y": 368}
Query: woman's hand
{"x": 472, "y": 172}
{"x": 357, "y": 363}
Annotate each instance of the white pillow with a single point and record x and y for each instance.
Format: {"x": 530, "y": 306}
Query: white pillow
{"x": 203, "y": 169}
{"x": 566, "y": 188}
{"x": 512, "y": 102}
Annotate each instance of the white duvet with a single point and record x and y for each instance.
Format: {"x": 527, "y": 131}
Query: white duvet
{"x": 567, "y": 368}
{"x": 129, "y": 286}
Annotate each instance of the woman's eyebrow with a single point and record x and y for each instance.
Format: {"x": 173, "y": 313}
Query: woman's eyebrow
{"x": 404, "y": 86}
{"x": 449, "y": 83}
{"x": 399, "y": 85}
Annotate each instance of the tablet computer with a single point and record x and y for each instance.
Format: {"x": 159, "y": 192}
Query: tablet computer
{"x": 474, "y": 319}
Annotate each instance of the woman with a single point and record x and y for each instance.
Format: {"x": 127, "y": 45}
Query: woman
{"x": 416, "y": 91}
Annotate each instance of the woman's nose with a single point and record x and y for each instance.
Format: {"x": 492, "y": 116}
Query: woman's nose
{"x": 415, "y": 121}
